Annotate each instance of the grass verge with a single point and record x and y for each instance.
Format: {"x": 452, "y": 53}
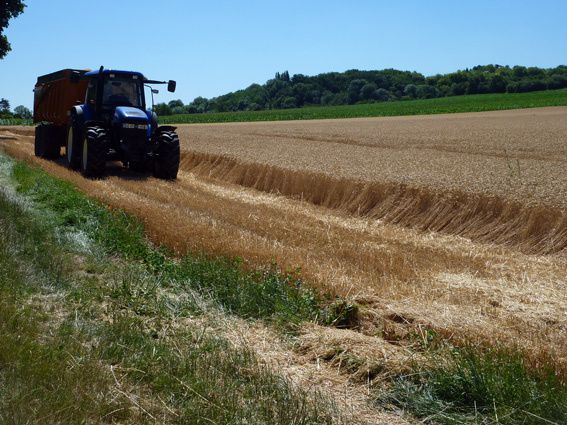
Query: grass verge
{"x": 93, "y": 334}
{"x": 472, "y": 386}
{"x": 266, "y": 294}
{"x": 443, "y": 105}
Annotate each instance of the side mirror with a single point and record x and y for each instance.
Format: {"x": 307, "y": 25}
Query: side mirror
{"x": 171, "y": 86}
{"x": 155, "y": 91}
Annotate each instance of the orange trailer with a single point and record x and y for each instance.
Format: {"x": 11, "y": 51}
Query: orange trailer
{"x": 54, "y": 96}
{"x": 56, "y": 93}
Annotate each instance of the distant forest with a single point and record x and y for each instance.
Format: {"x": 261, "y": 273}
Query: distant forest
{"x": 354, "y": 86}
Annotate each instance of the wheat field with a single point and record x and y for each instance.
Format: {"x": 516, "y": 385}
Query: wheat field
{"x": 455, "y": 223}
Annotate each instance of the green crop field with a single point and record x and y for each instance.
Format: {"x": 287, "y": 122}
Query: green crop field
{"x": 15, "y": 121}
{"x": 443, "y": 105}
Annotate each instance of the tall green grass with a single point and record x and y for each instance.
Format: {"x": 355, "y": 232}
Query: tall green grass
{"x": 473, "y": 386}
{"x": 443, "y": 105}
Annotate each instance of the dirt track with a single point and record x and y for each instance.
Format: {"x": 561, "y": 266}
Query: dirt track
{"x": 406, "y": 278}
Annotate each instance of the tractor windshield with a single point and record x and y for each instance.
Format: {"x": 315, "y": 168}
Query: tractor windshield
{"x": 122, "y": 91}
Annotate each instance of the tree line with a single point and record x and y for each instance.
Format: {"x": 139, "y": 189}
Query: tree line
{"x": 19, "y": 111}
{"x": 354, "y": 86}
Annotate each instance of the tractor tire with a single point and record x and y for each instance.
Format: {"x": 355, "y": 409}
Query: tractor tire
{"x": 93, "y": 152}
{"x": 46, "y": 143}
{"x": 166, "y": 164}
{"x": 73, "y": 146}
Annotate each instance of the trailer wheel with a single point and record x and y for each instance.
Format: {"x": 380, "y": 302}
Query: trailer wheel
{"x": 166, "y": 164}
{"x": 52, "y": 140}
{"x": 73, "y": 146}
{"x": 93, "y": 156}
{"x": 47, "y": 143}
{"x": 39, "y": 144}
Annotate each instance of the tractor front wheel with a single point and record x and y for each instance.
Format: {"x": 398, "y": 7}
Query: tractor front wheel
{"x": 166, "y": 164}
{"x": 93, "y": 155}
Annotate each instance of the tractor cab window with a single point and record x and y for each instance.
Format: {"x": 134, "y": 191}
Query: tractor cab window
{"x": 122, "y": 91}
{"x": 91, "y": 92}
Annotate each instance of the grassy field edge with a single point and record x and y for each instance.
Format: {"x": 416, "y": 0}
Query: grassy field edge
{"x": 94, "y": 334}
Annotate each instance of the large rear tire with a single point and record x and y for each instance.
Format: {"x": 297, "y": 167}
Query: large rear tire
{"x": 93, "y": 155}
{"x": 166, "y": 163}
{"x": 73, "y": 146}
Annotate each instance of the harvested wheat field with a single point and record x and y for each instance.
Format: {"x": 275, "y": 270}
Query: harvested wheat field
{"x": 456, "y": 223}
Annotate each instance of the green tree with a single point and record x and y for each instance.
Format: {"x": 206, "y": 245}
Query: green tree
{"x": 162, "y": 109}
{"x": 288, "y": 102}
{"x": 8, "y": 9}
{"x": 425, "y": 91}
{"x": 175, "y": 104}
{"x": 4, "y": 106}
{"x": 201, "y": 104}
{"x": 381, "y": 95}
{"x": 410, "y": 90}
{"x": 354, "y": 89}
{"x": 22, "y": 112}
{"x": 367, "y": 91}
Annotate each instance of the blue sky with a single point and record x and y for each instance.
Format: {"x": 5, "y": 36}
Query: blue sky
{"x": 213, "y": 47}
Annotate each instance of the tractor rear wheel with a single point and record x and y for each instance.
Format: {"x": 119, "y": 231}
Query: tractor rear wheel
{"x": 93, "y": 155}
{"x": 73, "y": 146}
{"x": 166, "y": 164}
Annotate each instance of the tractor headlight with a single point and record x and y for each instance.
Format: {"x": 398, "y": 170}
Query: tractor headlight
{"x": 137, "y": 126}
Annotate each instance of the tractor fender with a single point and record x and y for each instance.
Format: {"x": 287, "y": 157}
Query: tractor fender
{"x": 167, "y": 128}
{"x": 76, "y": 115}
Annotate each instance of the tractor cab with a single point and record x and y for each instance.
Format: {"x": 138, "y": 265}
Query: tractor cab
{"x": 115, "y": 106}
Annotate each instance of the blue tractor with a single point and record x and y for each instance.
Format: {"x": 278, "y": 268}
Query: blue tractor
{"x": 110, "y": 124}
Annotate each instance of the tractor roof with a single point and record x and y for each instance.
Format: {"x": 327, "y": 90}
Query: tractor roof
{"x": 114, "y": 71}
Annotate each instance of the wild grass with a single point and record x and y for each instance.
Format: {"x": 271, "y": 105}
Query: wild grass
{"x": 476, "y": 386}
{"x": 444, "y": 105}
{"x": 45, "y": 373}
{"x": 113, "y": 337}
